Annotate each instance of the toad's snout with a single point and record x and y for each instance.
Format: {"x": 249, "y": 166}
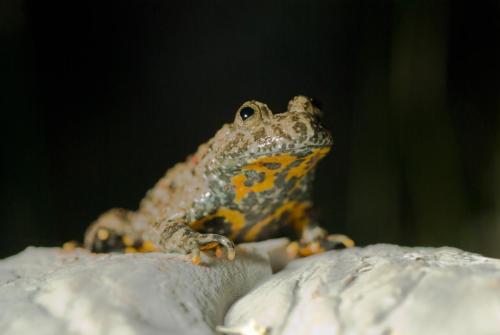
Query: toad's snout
{"x": 302, "y": 104}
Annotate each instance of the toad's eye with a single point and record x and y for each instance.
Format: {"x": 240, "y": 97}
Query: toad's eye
{"x": 246, "y": 112}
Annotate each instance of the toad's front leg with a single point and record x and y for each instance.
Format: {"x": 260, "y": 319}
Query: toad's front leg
{"x": 176, "y": 236}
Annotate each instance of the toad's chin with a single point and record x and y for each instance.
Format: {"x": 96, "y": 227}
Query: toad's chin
{"x": 276, "y": 161}
{"x": 297, "y": 151}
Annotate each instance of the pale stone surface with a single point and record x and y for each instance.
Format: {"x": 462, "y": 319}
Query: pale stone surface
{"x": 51, "y": 291}
{"x": 380, "y": 289}
{"x": 274, "y": 250}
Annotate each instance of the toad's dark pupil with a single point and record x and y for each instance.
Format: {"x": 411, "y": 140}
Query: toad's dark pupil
{"x": 246, "y": 112}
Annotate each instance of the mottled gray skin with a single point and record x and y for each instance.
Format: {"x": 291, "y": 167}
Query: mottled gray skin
{"x": 207, "y": 182}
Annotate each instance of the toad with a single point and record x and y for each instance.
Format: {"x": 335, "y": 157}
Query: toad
{"x": 252, "y": 181}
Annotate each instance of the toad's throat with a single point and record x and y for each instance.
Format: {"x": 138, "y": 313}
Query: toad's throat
{"x": 261, "y": 174}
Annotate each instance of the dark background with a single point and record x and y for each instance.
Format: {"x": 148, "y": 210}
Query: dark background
{"x": 99, "y": 98}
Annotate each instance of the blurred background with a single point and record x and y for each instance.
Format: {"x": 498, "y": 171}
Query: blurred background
{"x": 99, "y": 98}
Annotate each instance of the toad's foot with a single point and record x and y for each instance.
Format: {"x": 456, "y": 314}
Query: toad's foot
{"x": 215, "y": 242}
{"x": 175, "y": 236}
{"x": 306, "y": 248}
{"x": 116, "y": 231}
{"x": 109, "y": 240}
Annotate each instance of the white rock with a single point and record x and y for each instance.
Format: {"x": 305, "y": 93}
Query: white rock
{"x": 50, "y": 291}
{"x": 381, "y": 289}
{"x": 274, "y": 250}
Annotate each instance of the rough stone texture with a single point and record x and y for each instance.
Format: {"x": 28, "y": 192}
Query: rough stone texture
{"x": 380, "y": 289}
{"x": 51, "y": 291}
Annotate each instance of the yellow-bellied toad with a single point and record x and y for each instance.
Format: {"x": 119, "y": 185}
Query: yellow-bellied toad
{"x": 251, "y": 181}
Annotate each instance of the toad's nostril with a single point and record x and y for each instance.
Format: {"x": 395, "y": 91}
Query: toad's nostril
{"x": 302, "y": 104}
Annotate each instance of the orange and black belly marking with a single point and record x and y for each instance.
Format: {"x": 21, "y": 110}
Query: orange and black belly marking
{"x": 262, "y": 174}
{"x": 224, "y": 221}
{"x": 289, "y": 219}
